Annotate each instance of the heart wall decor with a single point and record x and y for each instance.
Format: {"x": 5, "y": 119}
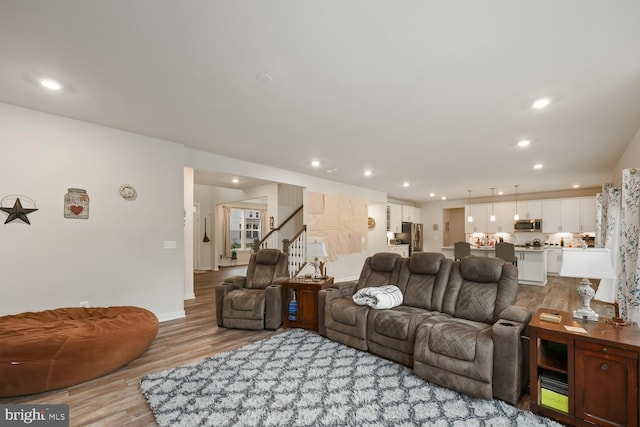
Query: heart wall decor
{"x": 76, "y": 204}
{"x": 76, "y": 210}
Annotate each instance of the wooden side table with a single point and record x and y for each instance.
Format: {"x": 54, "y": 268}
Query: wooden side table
{"x": 598, "y": 370}
{"x": 306, "y": 291}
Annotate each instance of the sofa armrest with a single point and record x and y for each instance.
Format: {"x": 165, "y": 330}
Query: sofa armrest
{"x": 279, "y": 280}
{"x": 220, "y": 292}
{"x": 517, "y": 314}
{"x": 510, "y": 354}
{"x": 344, "y": 285}
{"x": 272, "y": 307}
{"x": 339, "y": 290}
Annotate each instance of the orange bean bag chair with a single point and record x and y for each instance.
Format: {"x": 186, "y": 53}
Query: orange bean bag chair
{"x": 58, "y": 348}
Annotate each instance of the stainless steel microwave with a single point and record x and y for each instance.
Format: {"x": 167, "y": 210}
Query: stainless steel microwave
{"x": 527, "y": 225}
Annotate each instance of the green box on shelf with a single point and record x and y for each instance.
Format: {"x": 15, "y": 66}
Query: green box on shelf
{"x": 554, "y": 400}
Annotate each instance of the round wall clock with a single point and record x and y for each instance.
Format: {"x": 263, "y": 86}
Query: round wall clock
{"x": 371, "y": 223}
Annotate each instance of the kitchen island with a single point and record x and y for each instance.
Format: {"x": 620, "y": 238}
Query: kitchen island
{"x": 402, "y": 249}
{"x": 532, "y": 261}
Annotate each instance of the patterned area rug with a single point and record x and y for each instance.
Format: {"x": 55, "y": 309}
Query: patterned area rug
{"x": 298, "y": 378}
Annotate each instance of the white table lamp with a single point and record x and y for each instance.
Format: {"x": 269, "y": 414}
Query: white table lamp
{"x": 316, "y": 250}
{"x": 587, "y": 263}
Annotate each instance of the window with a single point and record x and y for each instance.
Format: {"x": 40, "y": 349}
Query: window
{"x": 245, "y": 228}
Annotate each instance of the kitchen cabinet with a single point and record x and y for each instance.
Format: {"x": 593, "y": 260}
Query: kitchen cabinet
{"x": 394, "y": 217}
{"x": 588, "y": 214}
{"x": 480, "y": 218}
{"x": 530, "y": 209}
{"x": 411, "y": 214}
{"x": 570, "y": 215}
{"x": 598, "y": 368}
{"x": 504, "y": 218}
{"x": 561, "y": 215}
{"x": 532, "y": 266}
{"x": 551, "y": 216}
{"x": 554, "y": 260}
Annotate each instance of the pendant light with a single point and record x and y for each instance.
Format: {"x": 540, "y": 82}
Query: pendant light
{"x": 469, "y": 218}
{"x": 493, "y": 217}
{"x": 515, "y": 215}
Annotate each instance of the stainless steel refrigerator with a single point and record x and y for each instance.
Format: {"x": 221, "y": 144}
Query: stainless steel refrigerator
{"x": 412, "y": 234}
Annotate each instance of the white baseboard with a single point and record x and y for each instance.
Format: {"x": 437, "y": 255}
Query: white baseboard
{"x": 171, "y": 316}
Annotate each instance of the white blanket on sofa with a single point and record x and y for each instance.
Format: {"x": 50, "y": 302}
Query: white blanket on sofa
{"x": 381, "y": 297}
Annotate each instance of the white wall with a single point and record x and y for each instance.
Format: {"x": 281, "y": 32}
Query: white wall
{"x": 115, "y": 257}
{"x": 188, "y": 191}
{"x": 290, "y": 198}
{"x": 629, "y": 159}
{"x": 202, "y": 196}
{"x": 432, "y": 216}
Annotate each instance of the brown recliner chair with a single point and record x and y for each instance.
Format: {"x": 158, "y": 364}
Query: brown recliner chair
{"x": 342, "y": 320}
{"x": 254, "y": 301}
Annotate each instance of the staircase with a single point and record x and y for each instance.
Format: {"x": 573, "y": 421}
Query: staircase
{"x": 295, "y": 247}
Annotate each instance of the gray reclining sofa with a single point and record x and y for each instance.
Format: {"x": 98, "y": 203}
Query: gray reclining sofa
{"x": 457, "y": 325}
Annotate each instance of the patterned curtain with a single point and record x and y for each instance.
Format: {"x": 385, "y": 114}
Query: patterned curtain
{"x": 608, "y": 236}
{"x": 629, "y": 289}
{"x": 226, "y": 231}
{"x": 601, "y": 214}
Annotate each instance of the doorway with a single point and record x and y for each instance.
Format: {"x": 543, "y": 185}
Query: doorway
{"x": 453, "y": 220}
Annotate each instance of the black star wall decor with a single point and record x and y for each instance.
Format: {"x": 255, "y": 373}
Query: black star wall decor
{"x": 17, "y": 212}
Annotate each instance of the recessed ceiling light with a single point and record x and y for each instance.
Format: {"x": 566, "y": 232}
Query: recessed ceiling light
{"x": 575, "y": 186}
{"x": 541, "y": 103}
{"x": 524, "y": 143}
{"x": 368, "y": 172}
{"x": 332, "y": 170}
{"x": 405, "y": 184}
{"x": 538, "y": 166}
{"x": 432, "y": 194}
{"x": 500, "y": 193}
{"x": 235, "y": 180}
{"x": 444, "y": 197}
{"x": 50, "y": 84}
{"x": 315, "y": 163}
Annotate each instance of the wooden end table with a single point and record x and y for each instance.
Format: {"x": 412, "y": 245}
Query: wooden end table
{"x": 306, "y": 291}
{"x": 598, "y": 366}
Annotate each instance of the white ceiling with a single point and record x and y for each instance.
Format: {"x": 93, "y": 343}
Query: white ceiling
{"x": 436, "y": 93}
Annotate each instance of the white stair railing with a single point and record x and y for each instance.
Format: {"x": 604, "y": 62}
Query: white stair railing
{"x": 272, "y": 240}
{"x": 296, "y": 251}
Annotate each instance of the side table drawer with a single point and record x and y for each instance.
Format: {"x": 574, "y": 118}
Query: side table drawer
{"x": 605, "y": 349}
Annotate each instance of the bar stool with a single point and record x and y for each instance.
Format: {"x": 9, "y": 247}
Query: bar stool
{"x": 507, "y": 252}
{"x": 461, "y": 250}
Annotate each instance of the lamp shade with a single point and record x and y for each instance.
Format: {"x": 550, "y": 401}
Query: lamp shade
{"x": 316, "y": 250}
{"x": 591, "y": 263}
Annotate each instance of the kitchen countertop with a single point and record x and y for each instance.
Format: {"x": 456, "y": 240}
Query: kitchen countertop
{"x": 517, "y": 248}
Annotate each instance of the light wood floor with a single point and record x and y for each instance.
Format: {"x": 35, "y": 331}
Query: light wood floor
{"x": 116, "y": 400}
